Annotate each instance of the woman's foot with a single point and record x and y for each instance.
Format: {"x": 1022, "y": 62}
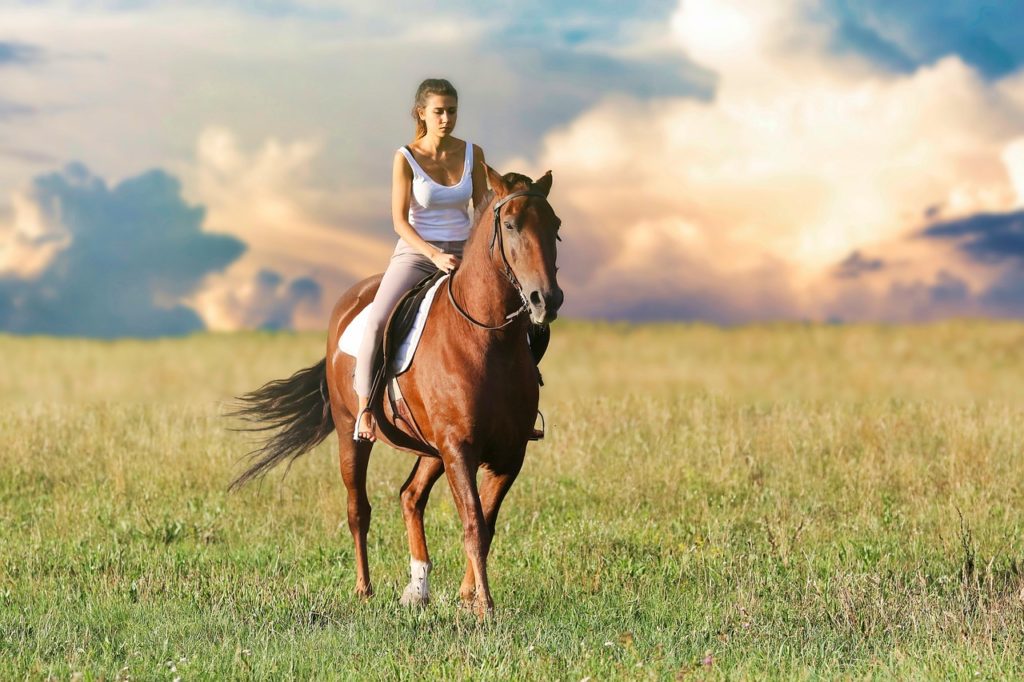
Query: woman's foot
{"x": 366, "y": 427}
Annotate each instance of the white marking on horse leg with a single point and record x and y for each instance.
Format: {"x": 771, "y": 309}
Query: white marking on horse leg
{"x": 417, "y": 592}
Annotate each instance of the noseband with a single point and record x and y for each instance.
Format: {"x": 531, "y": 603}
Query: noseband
{"x": 509, "y": 273}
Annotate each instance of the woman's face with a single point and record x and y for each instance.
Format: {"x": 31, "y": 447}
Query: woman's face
{"x": 439, "y": 113}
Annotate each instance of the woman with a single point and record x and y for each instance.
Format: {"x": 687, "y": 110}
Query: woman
{"x": 433, "y": 179}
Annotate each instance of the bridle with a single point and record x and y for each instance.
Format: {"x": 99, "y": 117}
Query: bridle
{"x": 509, "y": 273}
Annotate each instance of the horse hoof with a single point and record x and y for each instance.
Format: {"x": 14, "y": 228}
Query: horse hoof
{"x": 364, "y": 593}
{"x": 412, "y": 597}
{"x": 483, "y": 611}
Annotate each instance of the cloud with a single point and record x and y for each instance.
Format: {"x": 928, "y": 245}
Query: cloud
{"x": 301, "y": 105}
{"x": 10, "y": 110}
{"x": 292, "y": 228}
{"x": 83, "y": 258}
{"x": 856, "y": 264}
{"x": 1005, "y": 295}
{"x": 256, "y": 247}
{"x": 343, "y": 73}
{"x": 17, "y": 54}
{"x": 717, "y": 159}
{"x": 28, "y": 156}
{"x": 989, "y": 36}
{"x": 996, "y": 241}
{"x": 652, "y": 274}
{"x": 906, "y": 297}
{"x": 802, "y": 158}
{"x": 266, "y": 302}
{"x": 12, "y": 53}
{"x": 988, "y": 237}
{"x": 850, "y": 36}
{"x": 948, "y": 288}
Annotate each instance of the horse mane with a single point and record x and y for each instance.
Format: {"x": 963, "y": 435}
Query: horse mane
{"x": 478, "y": 211}
{"x": 516, "y": 181}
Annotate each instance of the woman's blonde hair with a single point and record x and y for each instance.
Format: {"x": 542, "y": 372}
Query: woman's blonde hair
{"x": 431, "y": 86}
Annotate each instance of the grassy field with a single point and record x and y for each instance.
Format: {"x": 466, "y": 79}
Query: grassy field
{"x": 781, "y": 501}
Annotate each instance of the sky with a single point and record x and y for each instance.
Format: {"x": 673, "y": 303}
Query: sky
{"x": 168, "y": 167}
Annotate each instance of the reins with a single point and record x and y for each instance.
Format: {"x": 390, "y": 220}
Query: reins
{"x": 509, "y": 273}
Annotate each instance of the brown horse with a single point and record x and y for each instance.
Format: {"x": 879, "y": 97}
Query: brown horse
{"x": 472, "y": 389}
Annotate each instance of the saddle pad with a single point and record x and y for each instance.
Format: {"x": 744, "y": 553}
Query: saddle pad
{"x": 353, "y": 334}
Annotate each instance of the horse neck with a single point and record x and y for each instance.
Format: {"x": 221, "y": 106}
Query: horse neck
{"x": 481, "y": 288}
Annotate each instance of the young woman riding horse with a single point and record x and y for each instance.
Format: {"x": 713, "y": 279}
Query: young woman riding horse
{"x": 433, "y": 179}
{"x": 472, "y": 389}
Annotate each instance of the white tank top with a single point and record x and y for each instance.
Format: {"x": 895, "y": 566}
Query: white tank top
{"x": 439, "y": 212}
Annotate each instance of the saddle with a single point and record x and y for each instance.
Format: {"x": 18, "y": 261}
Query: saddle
{"x": 396, "y": 329}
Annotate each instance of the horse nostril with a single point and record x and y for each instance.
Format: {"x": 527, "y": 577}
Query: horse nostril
{"x": 535, "y": 298}
{"x": 554, "y": 301}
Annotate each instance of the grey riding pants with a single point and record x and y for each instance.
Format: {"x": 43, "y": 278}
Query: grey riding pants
{"x": 407, "y": 267}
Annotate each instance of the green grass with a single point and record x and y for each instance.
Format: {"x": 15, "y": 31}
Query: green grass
{"x": 789, "y": 501}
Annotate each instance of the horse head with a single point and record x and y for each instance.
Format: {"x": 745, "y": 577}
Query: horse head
{"x": 525, "y": 234}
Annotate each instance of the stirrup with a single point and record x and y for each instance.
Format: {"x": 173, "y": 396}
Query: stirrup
{"x": 538, "y": 434}
{"x": 355, "y": 431}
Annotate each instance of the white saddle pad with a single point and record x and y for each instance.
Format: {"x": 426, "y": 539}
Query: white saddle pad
{"x": 353, "y": 334}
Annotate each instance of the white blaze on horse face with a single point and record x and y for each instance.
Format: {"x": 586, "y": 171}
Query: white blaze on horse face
{"x": 418, "y": 589}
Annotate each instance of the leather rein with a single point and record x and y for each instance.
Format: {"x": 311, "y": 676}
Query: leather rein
{"x": 509, "y": 273}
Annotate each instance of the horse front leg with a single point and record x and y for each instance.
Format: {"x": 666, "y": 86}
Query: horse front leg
{"x": 494, "y": 486}
{"x": 461, "y": 464}
{"x": 415, "y": 493}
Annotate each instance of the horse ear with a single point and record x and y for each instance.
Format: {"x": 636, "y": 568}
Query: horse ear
{"x": 544, "y": 184}
{"x": 496, "y": 182}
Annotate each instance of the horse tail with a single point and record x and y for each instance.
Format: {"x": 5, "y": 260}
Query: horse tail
{"x": 299, "y": 406}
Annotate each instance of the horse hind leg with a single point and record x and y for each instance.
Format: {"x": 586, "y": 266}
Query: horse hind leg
{"x": 414, "y": 495}
{"x": 353, "y": 458}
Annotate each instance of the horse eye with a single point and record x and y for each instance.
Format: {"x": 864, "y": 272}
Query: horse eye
{"x": 508, "y": 224}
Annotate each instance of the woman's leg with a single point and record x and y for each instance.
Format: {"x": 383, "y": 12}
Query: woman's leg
{"x": 407, "y": 267}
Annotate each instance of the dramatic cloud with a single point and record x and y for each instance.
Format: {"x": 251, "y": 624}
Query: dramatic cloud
{"x": 343, "y": 73}
{"x": 266, "y": 199}
{"x": 81, "y": 258}
{"x": 995, "y": 240}
{"x": 717, "y": 159}
{"x": 988, "y": 237}
{"x": 803, "y": 157}
{"x": 266, "y": 302}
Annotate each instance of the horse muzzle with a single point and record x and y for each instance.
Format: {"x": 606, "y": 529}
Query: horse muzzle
{"x": 544, "y": 305}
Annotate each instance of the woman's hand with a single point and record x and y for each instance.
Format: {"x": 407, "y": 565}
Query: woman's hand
{"x": 445, "y": 261}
